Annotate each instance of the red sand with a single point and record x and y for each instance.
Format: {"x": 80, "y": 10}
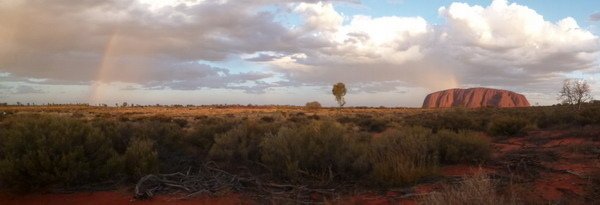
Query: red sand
{"x": 113, "y": 198}
{"x": 565, "y": 141}
{"x": 557, "y": 186}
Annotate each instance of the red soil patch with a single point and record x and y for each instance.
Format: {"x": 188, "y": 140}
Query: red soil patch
{"x": 576, "y": 168}
{"x": 541, "y": 134}
{"x": 375, "y": 199}
{"x": 426, "y": 188}
{"x": 520, "y": 141}
{"x": 464, "y": 170}
{"x": 565, "y": 141}
{"x": 505, "y": 148}
{"x": 113, "y": 198}
{"x": 558, "y": 186}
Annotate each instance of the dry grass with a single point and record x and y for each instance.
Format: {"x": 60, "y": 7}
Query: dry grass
{"x": 477, "y": 190}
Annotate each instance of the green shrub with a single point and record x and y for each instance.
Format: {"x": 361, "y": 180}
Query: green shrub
{"x": 463, "y": 147}
{"x": 242, "y": 142}
{"x": 508, "y": 126}
{"x": 42, "y": 150}
{"x": 454, "y": 119}
{"x": 404, "y": 156}
{"x": 322, "y": 148}
{"x": 141, "y": 158}
{"x": 202, "y": 135}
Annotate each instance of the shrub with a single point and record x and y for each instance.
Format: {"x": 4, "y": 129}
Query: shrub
{"x": 508, "y": 126}
{"x": 404, "y": 156}
{"x": 373, "y": 124}
{"x": 463, "y": 147}
{"x": 590, "y": 115}
{"x": 42, "y": 150}
{"x": 455, "y": 119}
{"x": 313, "y": 105}
{"x": 267, "y": 119}
{"x": 181, "y": 122}
{"x": 202, "y": 135}
{"x": 477, "y": 190}
{"x": 141, "y": 158}
{"x": 560, "y": 116}
{"x": 242, "y": 142}
{"x": 321, "y": 148}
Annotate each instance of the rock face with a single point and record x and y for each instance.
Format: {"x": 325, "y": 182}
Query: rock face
{"x": 475, "y": 98}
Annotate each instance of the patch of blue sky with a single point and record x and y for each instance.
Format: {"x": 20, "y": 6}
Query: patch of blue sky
{"x": 553, "y": 11}
{"x": 237, "y": 65}
{"x": 283, "y": 15}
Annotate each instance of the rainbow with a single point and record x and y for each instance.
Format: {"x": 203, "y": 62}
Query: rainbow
{"x": 98, "y": 86}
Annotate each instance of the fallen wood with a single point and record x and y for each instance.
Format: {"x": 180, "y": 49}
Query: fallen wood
{"x": 209, "y": 179}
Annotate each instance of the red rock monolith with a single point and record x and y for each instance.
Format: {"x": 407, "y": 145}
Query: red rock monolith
{"x": 475, "y": 98}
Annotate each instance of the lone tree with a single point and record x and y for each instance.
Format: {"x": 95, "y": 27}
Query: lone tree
{"x": 339, "y": 91}
{"x": 575, "y": 92}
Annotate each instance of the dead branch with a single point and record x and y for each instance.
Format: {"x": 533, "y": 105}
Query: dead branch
{"x": 209, "y": 179}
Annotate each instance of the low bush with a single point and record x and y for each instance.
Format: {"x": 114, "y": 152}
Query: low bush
{"x": 463, "y": 147}
{"x": 477, "y": 190}
{"x": 508, "y": 126}
{"x": 372, "y": 124}
{"x": 42, "y": 150}
{"x": 556, "y": 117}
{"x": 242, "y": 142}
{"x": 404, "y": 156}
{"x": 203, "y": 132}
{"x": 320, "y": 149}
{"x": 313, "y": 105}
{"x": 141, "y": 158}
{"x": 454, "y": 119}
{"x": 590, "y": 115}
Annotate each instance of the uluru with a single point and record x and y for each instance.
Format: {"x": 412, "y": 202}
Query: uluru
{"x": 475, "y": 98}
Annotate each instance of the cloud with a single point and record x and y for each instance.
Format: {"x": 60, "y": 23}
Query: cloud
{"x": 116, "y": 41}
{"x": 505, "y": 45}
{"x": 5, "y": 87}
{"x": 595, "y": 16}
{"x": 25, "y": 89}
{"x": 159, "y": 46}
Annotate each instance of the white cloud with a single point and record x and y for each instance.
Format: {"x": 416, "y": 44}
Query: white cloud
{"x": 501, "y": 45}
{"x": 157, "y": 44}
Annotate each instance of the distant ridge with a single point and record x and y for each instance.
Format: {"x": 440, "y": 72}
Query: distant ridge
{"x": 475, "y": 98}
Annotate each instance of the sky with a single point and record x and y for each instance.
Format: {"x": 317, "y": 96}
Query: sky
{"x": 387, "y": 52}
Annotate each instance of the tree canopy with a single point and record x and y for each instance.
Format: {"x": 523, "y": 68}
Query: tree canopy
{"x": 339, "y": 91}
